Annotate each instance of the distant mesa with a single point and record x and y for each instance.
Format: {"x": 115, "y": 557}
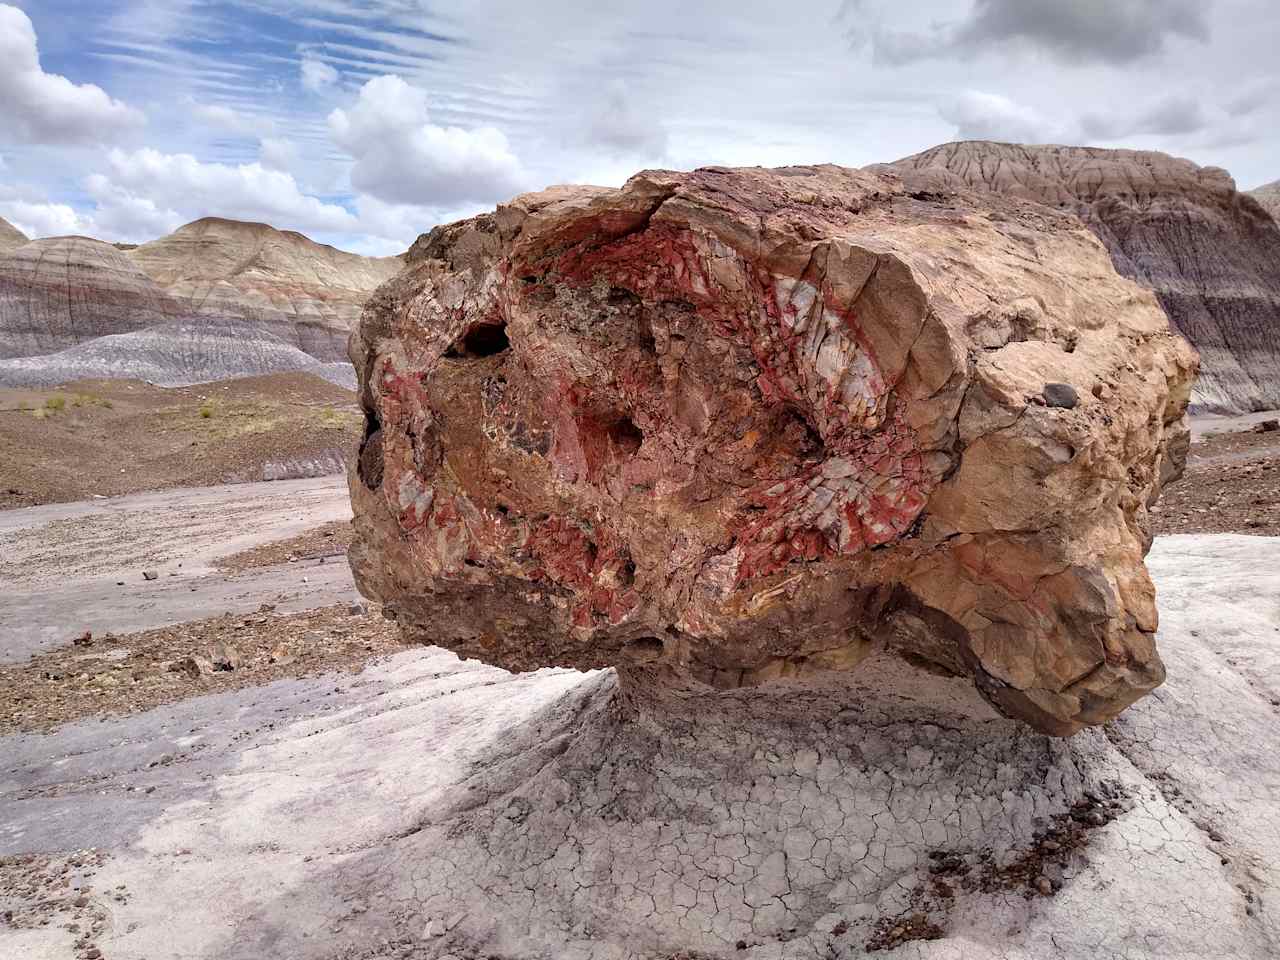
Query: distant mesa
{"x": 1209, "y": 253}
{"x": 217, "y": 298}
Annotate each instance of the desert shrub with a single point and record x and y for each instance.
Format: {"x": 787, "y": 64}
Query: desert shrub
{"x": 56, "y": 403}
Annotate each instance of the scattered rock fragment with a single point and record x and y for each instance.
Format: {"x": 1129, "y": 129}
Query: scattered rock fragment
{"x": 84, "y": 640}
{"x": 1061, "y": 395}
{"x": 224, "y": 657}
{"x": 150, "y": 575}
{"x": 1266, "y": 426}
{"x": 193, "y": 667}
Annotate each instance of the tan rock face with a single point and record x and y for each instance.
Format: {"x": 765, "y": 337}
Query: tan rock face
{"x": 306, "y": 293}
{"x": 10, "y": 236}
{"x": 730, "y": 426}
{"x": 1211, "y": 254}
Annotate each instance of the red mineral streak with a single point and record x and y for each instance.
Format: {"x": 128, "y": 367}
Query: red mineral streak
{"x": 600, "y": 575}
{"x": 663, "y": 262}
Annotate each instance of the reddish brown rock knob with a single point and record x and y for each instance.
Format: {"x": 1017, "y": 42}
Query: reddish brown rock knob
{"x": 733, "y": 426}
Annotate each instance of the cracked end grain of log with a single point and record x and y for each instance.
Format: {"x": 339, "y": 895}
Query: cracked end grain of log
{"x": 724, "y": 427}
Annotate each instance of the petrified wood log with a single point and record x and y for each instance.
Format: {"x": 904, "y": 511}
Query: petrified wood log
{"x": 725, "y": 427}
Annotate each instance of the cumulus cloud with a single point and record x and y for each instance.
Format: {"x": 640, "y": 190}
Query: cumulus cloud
{"x": 318, "y": 76}
{"x": 123, "y": 215}
{"x": 1100, "y": 31}
{"x": 401, "y": 157}
{"x": 990, "y": 116}
{"x": 247, "y": 191}
{"x": 46, "y": 219}
{"x": 276, "y": 153}
{"x": 47, "y": 108}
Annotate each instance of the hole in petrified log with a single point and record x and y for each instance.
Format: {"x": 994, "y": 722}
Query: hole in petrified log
{"x": 481, "y": 340}
{"x": 625, "y": 436}
{"x": 644, "y": 335}
{"x": 370, "y": 466}
{"x": 622, "y": 297}
{"x": 627, "y": 575}
{"x": 801, "y": 436}
{"x": 644, "y": 650}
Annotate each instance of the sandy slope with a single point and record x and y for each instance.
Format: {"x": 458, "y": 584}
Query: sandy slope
{"x": 434, "y": 808}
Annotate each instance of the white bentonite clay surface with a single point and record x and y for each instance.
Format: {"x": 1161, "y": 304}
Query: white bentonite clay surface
{"x": 434, "y": 808}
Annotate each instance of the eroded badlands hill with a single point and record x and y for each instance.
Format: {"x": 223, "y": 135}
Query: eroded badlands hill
{"x": 215, "y": 299}
{"x": 1269, "y": 196}
{"x": 10, "y": 236}
{"x": 63, "y": 291}
{"x": 1210, "y": 253}
{"x": 304, "y": 292}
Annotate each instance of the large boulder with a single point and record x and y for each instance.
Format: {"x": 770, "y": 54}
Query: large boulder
{"x": 727, "y": 427}
{"x": 1210, "y": 253}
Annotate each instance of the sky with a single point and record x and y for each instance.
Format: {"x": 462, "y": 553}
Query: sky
{"x": 363, "y": 123}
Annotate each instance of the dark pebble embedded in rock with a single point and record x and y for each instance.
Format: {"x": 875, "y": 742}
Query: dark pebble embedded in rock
{"x": 1061, "y": 395}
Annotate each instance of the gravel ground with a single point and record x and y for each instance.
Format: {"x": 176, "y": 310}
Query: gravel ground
{"x": 117, "y": 675}
{"x": 1232, "y": 485}
{"x": 327, "y": 540}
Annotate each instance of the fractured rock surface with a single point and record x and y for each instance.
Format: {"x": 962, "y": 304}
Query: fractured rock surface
{"x": 1211, "y": 254}
{"x": 736, "y": 426}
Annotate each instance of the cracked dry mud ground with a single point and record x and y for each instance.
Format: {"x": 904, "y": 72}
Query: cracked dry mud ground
{"x": 434, "y": 808}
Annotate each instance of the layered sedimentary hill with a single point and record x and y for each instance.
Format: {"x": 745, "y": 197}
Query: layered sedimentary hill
{"x": 10, "y": 236}
{"x": 1269, "y": 196}
{"x": 1210, "y": 253}
{"x": 215, "y": 299}
{"x": 64, "y": 291}
{"x": 304, "y": 292}
{"x": 173, "y": 354}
